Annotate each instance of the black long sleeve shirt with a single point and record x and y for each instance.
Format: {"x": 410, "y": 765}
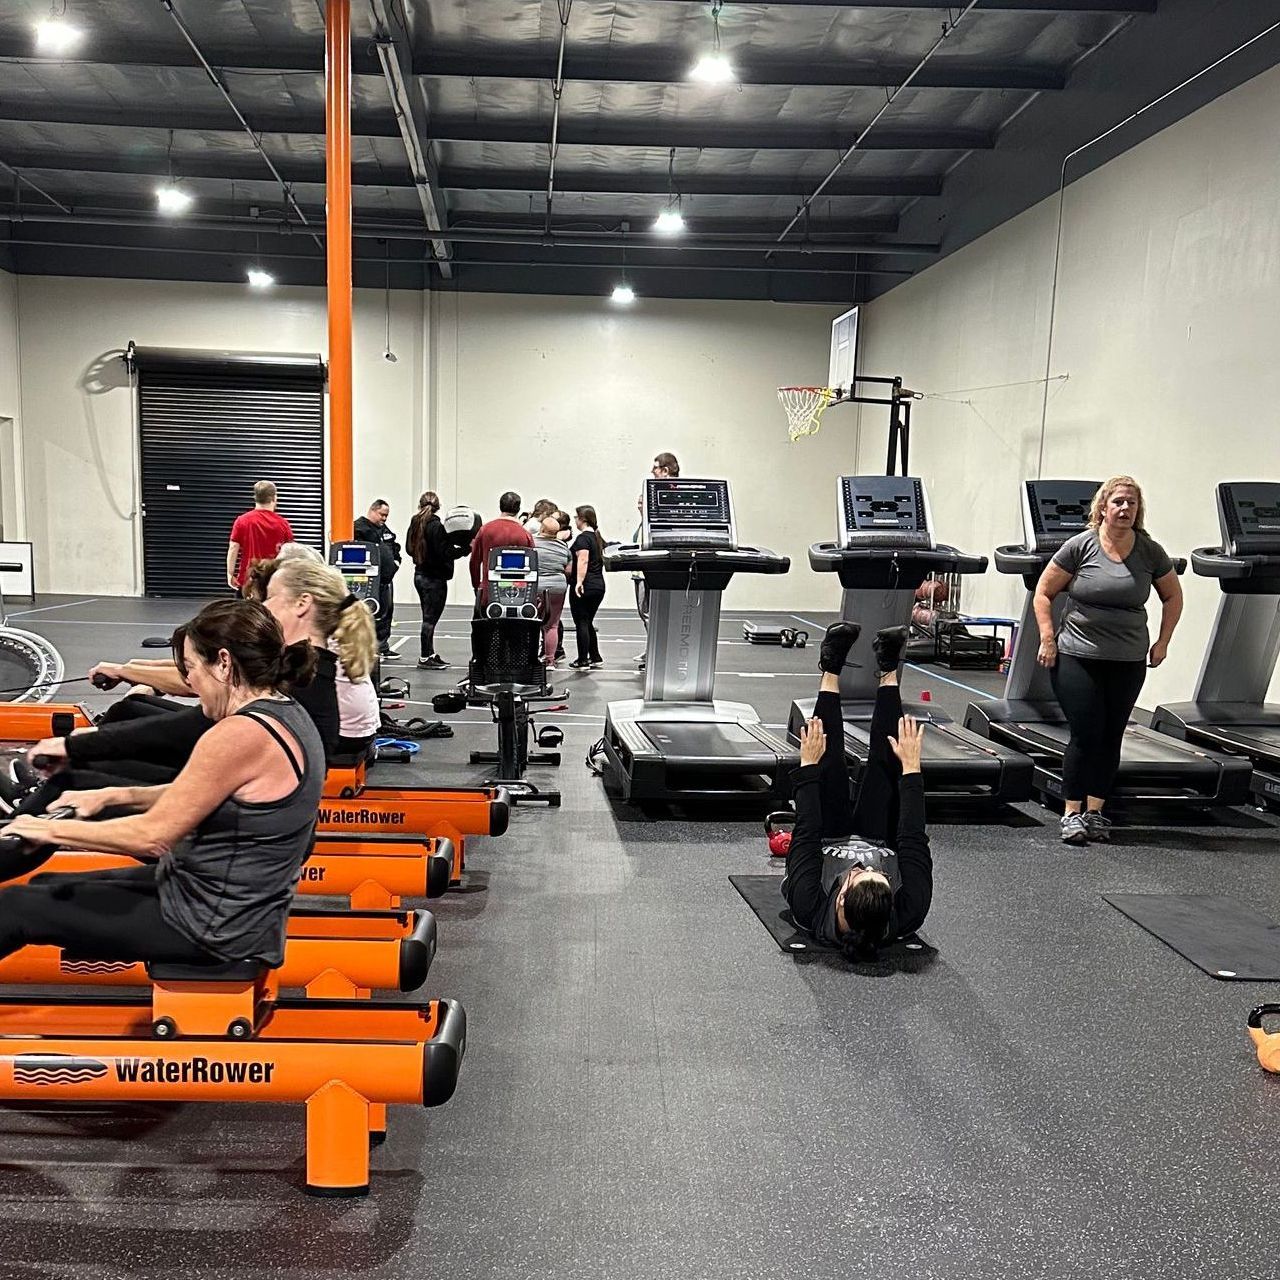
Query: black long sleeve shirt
{"x": 437, "y": 554}
{"x": 813, "y": 878}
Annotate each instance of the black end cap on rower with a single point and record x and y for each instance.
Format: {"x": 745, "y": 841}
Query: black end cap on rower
{"x": 335, "y": 1193}
{"x": 442, "y": 1055}
{"x": 440, "y": 868}
{"x": 417, "y": 950}
{"x": 500, "y": 812}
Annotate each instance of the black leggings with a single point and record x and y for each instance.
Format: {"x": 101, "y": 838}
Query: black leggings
{"x": 1096, "y": 696}
{"x": 105, "y": 915}
{"x": 874, "y": 815}
{"x": 584, "y": 608}
{"x": 432, "y": 593}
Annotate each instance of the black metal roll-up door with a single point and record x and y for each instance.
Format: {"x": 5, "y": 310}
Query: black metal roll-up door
{"x": 211, "y": 425}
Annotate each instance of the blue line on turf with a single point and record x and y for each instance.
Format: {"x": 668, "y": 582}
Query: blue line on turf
{"x": 933, "y": 675}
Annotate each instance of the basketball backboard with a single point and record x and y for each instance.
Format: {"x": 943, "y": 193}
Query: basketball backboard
{"x": 844, "y": 350}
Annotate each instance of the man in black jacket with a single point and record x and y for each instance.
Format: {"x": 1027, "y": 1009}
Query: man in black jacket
{"x": 372, "y": 527}
{"x": 859, "y": 874}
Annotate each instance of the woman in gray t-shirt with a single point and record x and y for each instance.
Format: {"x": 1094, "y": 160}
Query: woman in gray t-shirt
{"x": 1099, "y": 655}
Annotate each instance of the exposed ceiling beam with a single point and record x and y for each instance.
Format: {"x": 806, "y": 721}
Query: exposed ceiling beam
{"x": 708, "y": 243}
{"x": 989, "y": 6}
{"x": 885, "y": 224}
{"x": 409, "y": 106}
{"x": 658, "y": 67}
{"x": 673, "y": 68}
{"x": 231, "y": 168}
{"x": 593, "y": 133}
{"x": 631, "y": 182}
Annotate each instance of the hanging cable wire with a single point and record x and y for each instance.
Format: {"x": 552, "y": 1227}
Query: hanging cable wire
{"x": 948, "y": 28}
{"x": 565, "y": 8}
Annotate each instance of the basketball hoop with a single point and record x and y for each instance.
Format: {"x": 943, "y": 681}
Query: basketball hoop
{"x": 804, "y": 407}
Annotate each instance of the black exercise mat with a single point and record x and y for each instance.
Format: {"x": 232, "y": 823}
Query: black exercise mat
{"x": 1221, "y": 936}
{"x": 763, "y": 894}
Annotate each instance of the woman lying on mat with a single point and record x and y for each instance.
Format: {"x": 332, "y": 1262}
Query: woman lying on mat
{"x": 152, "y": 738}
{"x": 220, "y": 846}
{"x": 856, "y": 893}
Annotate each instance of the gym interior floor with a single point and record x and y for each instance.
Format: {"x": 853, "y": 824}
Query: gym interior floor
{"x": 653, "y": 1089}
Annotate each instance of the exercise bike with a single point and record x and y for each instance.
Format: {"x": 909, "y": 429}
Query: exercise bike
{"x": 506, "y": 675}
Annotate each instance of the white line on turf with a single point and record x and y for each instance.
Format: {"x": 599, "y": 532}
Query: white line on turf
{"x": 45, "y": 608}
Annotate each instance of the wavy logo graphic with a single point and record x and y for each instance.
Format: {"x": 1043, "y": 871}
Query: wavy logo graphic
{"x": 55, "y": 1069}
{"x": 96, "y": 966}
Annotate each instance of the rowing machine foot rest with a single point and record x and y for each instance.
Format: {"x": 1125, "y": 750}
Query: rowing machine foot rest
{"x": 208, "y": 1000}
{"x": 338, "y": 1129}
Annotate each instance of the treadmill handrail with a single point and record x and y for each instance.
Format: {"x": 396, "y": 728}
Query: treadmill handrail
{"x": 740, "y": 559}
{"x": 1214, "y": 562}
{"x": 1018, "y": 559}
{"x": 827, "y": 557}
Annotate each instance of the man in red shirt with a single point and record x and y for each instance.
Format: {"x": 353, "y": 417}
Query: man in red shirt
{"x": 505, "y": 531}
{"x": 256, "y": 535}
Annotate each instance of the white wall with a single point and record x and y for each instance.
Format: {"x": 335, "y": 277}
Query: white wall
{"x": 570, "y": 398}
{"x": 11, "y": 488}
{"x": 1165, "y": 346}
{"x": 76, "y": 404}
{"x": 561, "y": 397}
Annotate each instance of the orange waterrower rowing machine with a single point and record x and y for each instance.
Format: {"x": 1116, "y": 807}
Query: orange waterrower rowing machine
{"x": 351, "y": 807}
{"x": 369, "y": 883}
{"x": 346, "y": 1060}
{"x": 321, "y": 963}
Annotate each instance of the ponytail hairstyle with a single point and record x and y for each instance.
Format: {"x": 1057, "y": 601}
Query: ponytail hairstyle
{"x": 588, "y": 517}
{"x": 251, "y": 639}
{"x": 1103, "y": 496}
{"x": 415, "y": 543}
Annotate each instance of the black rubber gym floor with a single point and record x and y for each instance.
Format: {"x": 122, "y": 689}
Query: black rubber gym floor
{"x": 652, "y": 1089}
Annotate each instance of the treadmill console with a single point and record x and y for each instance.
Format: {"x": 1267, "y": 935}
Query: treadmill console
{"x": 1249, "y": 514}
{"x": 687, "y": 513}
{"x": 1054, "y": 511}
{"x": 882, "y": 511}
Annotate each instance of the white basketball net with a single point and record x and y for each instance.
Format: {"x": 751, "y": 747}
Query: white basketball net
{"x": 804, "y": 407}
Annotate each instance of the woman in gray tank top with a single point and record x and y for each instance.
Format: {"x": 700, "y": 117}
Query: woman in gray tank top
{"x": 1099, "y": 655}
{"x": 221, "y": 845}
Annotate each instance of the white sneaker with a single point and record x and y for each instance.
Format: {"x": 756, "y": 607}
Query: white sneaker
{"x": 1074, "y": 829}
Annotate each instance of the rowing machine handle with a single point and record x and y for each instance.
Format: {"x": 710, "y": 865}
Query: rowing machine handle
{"x": 103, "y": 681}
{"x": 16, "y": 844}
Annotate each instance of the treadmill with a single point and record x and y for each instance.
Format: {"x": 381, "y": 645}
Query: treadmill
{"x": 884, "y": 552}
{"x": 1228, "y": 710}
{"x": 1153, "y": 766}
{"x": 678, "y": 742}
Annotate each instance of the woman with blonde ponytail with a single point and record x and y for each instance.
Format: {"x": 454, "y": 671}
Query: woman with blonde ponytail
{"x": 311, "y": 602}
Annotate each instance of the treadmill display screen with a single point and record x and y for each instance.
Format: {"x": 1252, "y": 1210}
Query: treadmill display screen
{"x": 684, "y": 513}
{"x": 1249, "y": 513}
{"x": 1055, "y": 510}
{"x": 883, "y": 510}
{"x": 520, "y": 562}
{"x": 688, "y": 502}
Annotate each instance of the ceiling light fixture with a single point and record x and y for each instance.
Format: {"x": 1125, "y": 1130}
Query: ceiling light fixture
{"x": 172, "y": 200}
{"x": 623, "y": 294}
{"x": 259, "y": 279}
{"x": 55, "y": 35}
{"x": 714, "y": 67}
{"x": 670, "y": 222}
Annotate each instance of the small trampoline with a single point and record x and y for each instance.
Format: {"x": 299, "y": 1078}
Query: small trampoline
{"x": 30, "y": 667}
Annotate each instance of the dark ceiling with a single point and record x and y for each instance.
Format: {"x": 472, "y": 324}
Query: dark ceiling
{"x": 978, "y": 136}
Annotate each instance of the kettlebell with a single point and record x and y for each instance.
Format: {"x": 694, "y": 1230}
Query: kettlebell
{"x": 779, "y": 839}
{"x": 1266, "y": 1043}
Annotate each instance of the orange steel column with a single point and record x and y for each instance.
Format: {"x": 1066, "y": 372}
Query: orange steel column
{"x": 337, "y": 169}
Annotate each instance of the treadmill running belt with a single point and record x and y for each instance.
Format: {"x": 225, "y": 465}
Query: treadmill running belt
{"x": 1220, "y": 936}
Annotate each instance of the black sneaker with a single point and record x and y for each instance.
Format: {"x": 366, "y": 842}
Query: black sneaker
{"x": 434, "y": 663}
{"x": 596, "y": 662}
{"x": 840, "y": 638}
{"x": 388, "y": 655}
{"x": 1097, "y": 827}
{"x": 888, "y": 647}
{"x": 579, "y": 665}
